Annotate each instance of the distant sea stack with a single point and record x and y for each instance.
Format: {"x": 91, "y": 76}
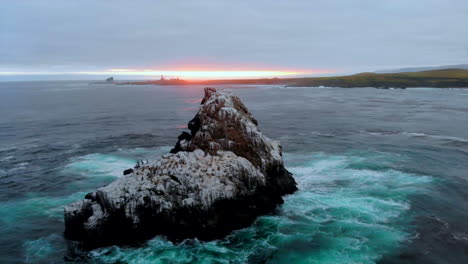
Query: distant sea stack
{"x": 218, "y": 178}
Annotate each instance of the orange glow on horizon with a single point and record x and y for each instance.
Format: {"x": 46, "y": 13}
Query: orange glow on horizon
{"x": 197, "y": 74}
{"x": 200, "y": 73}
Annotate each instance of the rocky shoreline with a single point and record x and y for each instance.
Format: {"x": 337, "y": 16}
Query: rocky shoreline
{"x": 218, "y": 178}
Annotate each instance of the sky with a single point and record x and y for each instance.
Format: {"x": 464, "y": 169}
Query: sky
{"x": 89, "y": 38}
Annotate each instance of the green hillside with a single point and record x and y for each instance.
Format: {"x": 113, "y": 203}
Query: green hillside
{"x": 434, "y": 78}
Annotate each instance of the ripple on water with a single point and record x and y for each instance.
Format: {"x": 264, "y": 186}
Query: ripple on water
{"x": 39, "y": 213}
{"x": 30, "y": 216}
{"x": 99, "y": 165}
{"x": 40, "y": 250}
{"x": 24, "y": 212}
{"x": 111, "y": 164}
{"x": 343, "y": 213}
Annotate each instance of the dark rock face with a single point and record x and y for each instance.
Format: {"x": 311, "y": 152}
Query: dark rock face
{"x": 218, "y": 178}
{"x": 194, "y": 125}
{"x": 127, "y": 171}
{"x": 184, "y": 136}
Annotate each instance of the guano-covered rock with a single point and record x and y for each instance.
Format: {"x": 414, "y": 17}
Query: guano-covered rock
{"x": 218, "y": 178}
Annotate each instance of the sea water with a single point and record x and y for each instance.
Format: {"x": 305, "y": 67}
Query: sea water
{"x": 382, "y": 174}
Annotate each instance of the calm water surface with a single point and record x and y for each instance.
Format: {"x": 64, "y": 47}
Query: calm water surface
{"x": 383, "y": 174}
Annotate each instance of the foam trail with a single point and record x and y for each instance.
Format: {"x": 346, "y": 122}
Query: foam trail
{"x": 34, "y": 206}
{"x": 40, "y": 250}
{"x": 345, "y": 211}
{"x": 100, "y": 165}
{"x": 112, "y": 164}
{"x": 416, "y": 135}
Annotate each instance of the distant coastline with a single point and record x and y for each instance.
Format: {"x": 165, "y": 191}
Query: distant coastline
{"x": 443, "y": 78}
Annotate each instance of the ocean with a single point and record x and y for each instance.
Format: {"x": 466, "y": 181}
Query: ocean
{"x": 382, "y": 174}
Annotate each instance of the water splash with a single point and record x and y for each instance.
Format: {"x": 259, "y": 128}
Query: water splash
{"x": 111, "y": 164}
{"x": 345, "y": 212}
{"x": 100, "y": 165}
{"x": 40, "y": 250}
{"x": 22, "y": 212}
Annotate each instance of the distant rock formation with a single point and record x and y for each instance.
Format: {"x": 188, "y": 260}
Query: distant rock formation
{"x": 218, "y": 178}
{"x": 110, "y": 79}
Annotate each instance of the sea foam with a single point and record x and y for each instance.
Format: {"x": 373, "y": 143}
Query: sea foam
{"x": 344, "y": 212}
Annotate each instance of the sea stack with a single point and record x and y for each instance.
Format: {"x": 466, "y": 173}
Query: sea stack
{"x": 218, "y": 178}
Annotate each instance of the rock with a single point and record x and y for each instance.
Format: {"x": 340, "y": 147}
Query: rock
{"x": 127, "y": 171}
{"x": 218, "y": 178}
{"x": 184, "y": 136}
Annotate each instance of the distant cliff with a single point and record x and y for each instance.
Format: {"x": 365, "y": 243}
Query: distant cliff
{"x": 437, "y": 78}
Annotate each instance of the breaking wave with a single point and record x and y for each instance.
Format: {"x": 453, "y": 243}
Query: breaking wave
{"x": 112, "y": 164}
{"x": 345, "y": 211}
{"x": 416, "y": 134}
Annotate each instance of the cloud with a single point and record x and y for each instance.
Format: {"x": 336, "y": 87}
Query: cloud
{"x": 54, "y": 35}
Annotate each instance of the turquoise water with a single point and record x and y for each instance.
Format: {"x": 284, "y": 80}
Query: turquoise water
{"x": 340, "y": 215}
{"x": 346, "y": 211}
{"x": 381, "y": 173}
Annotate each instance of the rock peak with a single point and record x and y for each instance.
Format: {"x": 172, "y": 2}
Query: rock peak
{"x": 224, "y": 162}
{"x": 223, "y": 123}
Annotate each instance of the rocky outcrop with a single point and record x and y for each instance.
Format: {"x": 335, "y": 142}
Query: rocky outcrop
{"x": 219, "y": 177}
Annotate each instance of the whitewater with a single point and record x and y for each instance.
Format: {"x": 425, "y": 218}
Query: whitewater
{"x": 381, "y": 173}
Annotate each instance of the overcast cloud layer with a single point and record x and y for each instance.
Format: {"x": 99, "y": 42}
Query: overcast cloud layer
{"x": 347, "y": 35}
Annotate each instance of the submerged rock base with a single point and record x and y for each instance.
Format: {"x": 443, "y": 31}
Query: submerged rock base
{"x": 218, "y": 178}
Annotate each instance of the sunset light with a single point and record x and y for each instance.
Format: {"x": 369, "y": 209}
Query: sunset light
{"x": 199, "y": 74}
{"x": 185, "y": 74}
{"x": 215, "y": 131}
